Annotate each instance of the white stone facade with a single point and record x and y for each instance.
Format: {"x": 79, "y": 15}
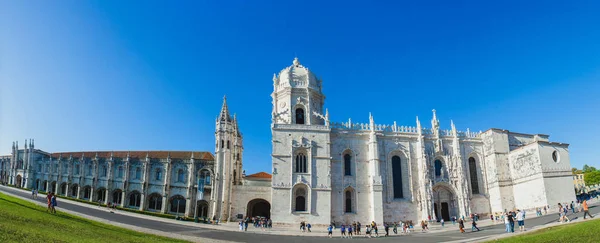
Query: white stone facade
{"x": 400, "y": 172}
{"x": 325, "y": 171}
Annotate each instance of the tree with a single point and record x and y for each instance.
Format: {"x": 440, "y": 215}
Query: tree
{"x": 592, "y": 178}
{"x": 573, "y": 170}
{"x": 587, "y": 168}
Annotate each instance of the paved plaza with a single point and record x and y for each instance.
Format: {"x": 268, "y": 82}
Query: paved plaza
{"x": 228, "y": 233}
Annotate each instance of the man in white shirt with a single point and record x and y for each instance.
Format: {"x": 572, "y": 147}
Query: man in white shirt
{"x": 521, "y": 220}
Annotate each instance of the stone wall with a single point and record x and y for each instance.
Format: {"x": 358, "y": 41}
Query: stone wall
{"x": 243, "y": 194}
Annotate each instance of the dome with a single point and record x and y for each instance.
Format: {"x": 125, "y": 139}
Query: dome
{"x": 296, "y": 76}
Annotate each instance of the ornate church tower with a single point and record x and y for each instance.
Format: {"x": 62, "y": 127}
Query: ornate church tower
{"x": 301, "y": 148}
{"x": 228, "y": 162}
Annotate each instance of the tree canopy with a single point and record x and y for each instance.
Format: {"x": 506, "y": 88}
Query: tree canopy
{"x": 592, "y": 178}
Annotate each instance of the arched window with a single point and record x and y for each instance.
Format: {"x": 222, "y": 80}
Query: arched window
{"x": 300, "y": 200}
{"x": 89, "y": 170}
{"x": 301, "y": 166}
{"x": 155, "y": 202}
{"x": 134, "y": 199}
{"x": 438, "y": 168}
{"x": 138, "y": 173}
{"x": 180, "y": 175}
{"x": 348, "y": 201}
{"x": 348, "y": 165}
{"x": 120, "y": 171}
{"x": 473, "y": 172}
{"x": 39, "y": 168}
{"x": 397, "y": 176}
{"x": 222, "y": 143}
{"x": 299, "y": 116}
{"x": 158, "y": 174}
{"x": 178, "y": 204}
{"x": 76, "y": 171}
{"x": 117, "y": 197}
{"x": 228, "y": 144}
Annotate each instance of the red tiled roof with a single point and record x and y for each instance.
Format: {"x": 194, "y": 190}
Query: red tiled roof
{"x": 137, "y": 154}
{"x": 260, "y": 175}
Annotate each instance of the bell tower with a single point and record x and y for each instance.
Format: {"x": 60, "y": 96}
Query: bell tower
{"x": 228, "y": 162}
{"x": 301, "y": 148}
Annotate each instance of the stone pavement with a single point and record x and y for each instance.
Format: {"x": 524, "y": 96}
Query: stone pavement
{"x": 229, "y": 232}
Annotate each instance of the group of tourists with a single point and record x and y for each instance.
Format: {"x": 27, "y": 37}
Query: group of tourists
{"x": 51, "y": 198}
{"x": 371, "y": 230}
{"x": 258, "y": 222}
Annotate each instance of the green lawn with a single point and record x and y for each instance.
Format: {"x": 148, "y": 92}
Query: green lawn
{"x": 23, "y": 221}
{"x": 587, "y": 231}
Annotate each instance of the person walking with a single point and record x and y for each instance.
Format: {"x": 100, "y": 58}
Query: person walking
{"x": 511, "y": 221}
{"x": 358, "y": 228}
{"x": 461, "y": 226}
{"x": 442, "y": 222}
{"x": 506, "y": 222}
{"x": 330, "y": 231}
{"x": 395, "y": 229}
{"x": 54, "y": 204}
{"x": 343, "y": 231}
{"x": 474, "y": 226}
{"x": 521, "y": 220}
{"x": 32, "y": 193}
{"x": 374, "y": 226}
{"x": 386, "y": 227}
{"x": 49, "y": 201}
{"x": 586, "y": 209}
{"x": 308, "y": 226}
{"x": 349, "y": 229}
{"x": 572, "y": 207}
{"x": 246, "y": 223}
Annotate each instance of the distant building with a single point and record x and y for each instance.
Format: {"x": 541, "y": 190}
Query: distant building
{"x": 578, "y": 181}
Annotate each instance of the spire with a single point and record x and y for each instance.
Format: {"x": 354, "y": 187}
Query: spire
{"x": 32, "y": 143}
{"x": 454, "y": 133}
{"x": 371, "y": 122}
{"x": 419, "y": 129}
{"x": 435, "y": 124}
{"x": 26, "y": 144}
{"x": 224, "y": 115}
{"x": 296, "y": 62}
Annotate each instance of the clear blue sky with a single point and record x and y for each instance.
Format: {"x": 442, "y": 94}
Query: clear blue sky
{"x": 144, "y": 75}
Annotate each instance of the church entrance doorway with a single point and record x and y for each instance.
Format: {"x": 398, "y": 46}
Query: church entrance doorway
{"x": 445, "y": 211}
{"x": 259, "y": 207}
{"x": 445, "y": 201}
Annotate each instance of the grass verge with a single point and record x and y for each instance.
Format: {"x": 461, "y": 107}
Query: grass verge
{"x": 23, "y": 221}
{"x": 586, "y": 231}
